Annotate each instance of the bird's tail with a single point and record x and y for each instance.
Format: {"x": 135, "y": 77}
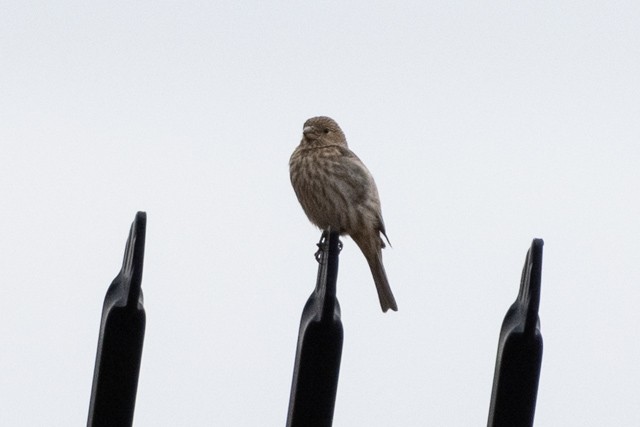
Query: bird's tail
{"x": 387, "y": 301}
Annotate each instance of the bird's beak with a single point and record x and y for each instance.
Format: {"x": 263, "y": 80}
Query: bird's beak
{"x": 308, "y": 130}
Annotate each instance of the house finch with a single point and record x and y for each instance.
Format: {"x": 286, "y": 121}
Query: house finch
{"x": 337, "y": 192}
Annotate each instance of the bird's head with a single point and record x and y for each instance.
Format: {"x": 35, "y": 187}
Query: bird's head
{"x": 322, "y": 131}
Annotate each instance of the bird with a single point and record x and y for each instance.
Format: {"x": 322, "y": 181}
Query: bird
{"x": 337, "y": 192}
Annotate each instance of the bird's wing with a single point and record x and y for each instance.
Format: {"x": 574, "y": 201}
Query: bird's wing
{"x": 363, "y": 182}
{"x": 358, "y": 184}
{"x": 354, "y": 177}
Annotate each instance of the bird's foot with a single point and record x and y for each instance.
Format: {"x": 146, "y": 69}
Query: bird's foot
{"x": 323, "y": 246}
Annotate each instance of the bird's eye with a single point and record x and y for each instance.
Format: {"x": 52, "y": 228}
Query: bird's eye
{"x": 326, "y": 130}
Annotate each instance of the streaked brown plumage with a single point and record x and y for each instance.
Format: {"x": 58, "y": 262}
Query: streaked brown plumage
{"x": 337, "y": 192}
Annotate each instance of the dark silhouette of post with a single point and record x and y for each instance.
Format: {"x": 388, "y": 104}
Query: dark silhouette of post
{"x": 317, "y": 365}
{"x": 115, "y": 378}
{"x": 515, "y": 382}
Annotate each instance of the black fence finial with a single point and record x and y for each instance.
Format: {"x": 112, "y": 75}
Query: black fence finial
{"x": 515, "y": 382}
{"x": 317, "y": 365}
{"x": 115, "y": 378}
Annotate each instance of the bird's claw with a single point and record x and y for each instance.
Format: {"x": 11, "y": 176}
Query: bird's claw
{"x": 323, "y": 246}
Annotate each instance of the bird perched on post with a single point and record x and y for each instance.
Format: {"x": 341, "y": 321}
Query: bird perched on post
{"x": 338, "y": 193}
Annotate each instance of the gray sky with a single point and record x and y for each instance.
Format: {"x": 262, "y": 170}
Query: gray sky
{"x": 485, "y": 124}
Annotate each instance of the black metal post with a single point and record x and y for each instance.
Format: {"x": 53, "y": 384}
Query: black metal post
{"x": 115, "y": 378}
{"x": 515, "y": 382}
{"x": 317, "y": 365}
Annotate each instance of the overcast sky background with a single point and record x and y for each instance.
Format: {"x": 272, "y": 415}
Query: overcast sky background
{"x": 485, "y": 124}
